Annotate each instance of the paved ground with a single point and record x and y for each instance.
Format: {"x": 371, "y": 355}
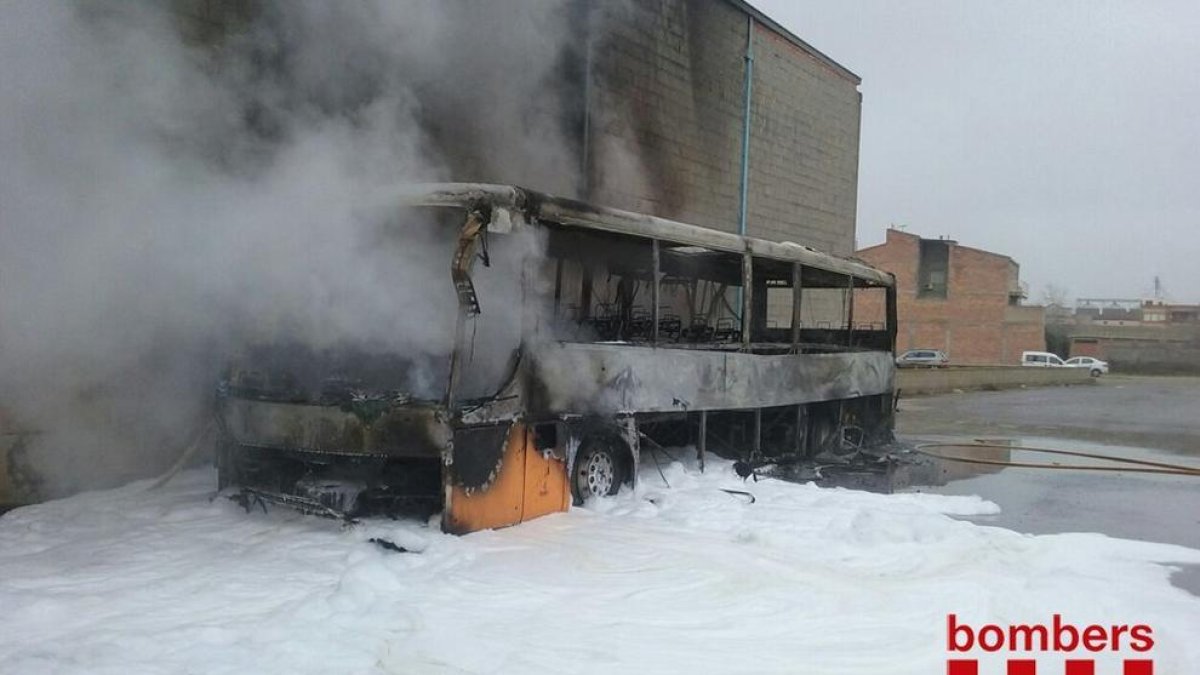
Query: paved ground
{"x": 1144, "y": 418}
{"x": 1149, "y": 412}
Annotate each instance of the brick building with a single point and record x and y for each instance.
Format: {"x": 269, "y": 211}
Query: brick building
{"x": 650, "y": 98}
{"x": 962, "y": 300}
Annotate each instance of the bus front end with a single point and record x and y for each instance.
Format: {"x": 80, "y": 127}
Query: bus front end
{"x": 338, "y": 449}
{"x": 402, "y": 429}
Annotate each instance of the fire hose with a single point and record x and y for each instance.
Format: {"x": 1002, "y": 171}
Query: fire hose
{"x": 1129, "y": 465}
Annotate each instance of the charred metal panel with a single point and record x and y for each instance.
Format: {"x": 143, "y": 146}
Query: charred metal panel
{"x": 506, "y": 406}
{"x": 369, "y": 427}
{"x": 477, "y": 455}
{"x": 609, "y": 379}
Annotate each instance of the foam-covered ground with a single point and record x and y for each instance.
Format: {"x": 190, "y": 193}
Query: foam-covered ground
{"x": 681, "y": 579}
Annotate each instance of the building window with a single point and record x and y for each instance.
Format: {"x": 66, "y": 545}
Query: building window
{"x": 933, "y": 269}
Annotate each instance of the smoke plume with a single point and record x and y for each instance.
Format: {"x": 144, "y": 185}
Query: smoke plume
{"x": 176, "y": 188}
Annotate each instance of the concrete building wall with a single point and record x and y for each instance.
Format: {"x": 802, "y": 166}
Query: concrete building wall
{"x": 665, "y": 110}
{"x": 666, "y": 123}
{"x": 974, "y": 323}
{"x": 804, "y": 148}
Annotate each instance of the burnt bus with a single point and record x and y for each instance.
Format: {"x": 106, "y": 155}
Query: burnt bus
{"x": 610, "y": 332}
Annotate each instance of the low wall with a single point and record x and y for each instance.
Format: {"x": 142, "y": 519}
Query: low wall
{"x": 912, "y": 381}
{"x": 1153, "y": 359}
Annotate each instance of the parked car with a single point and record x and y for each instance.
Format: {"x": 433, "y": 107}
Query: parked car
{"x": 929, "y": 358}
{"x": 1095, "y": 366}
{"x": 1041, "y": 360}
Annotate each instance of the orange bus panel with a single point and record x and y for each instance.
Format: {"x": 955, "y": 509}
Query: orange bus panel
{"x": 526, "y": 486}
{"x": 546, "y": 487}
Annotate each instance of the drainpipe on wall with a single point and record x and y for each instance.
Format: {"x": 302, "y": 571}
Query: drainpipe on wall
{"x": 747, "y": 87}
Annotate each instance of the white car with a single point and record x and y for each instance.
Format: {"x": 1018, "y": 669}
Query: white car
{"x": 1095, "y": 366}
{"x": 1041, "y": 360}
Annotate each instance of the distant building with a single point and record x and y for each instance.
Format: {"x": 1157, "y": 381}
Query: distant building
{"x": 958, "y": 299}
{"x": 1107, "y": 311}
{"x": 1159, "y": 312}
{"x": 1149, "y": 336}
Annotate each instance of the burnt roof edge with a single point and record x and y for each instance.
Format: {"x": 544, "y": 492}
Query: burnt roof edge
{"x": 572, "y": 212}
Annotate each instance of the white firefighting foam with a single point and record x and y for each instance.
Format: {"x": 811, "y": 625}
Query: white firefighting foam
{"x": 686, "y": 578}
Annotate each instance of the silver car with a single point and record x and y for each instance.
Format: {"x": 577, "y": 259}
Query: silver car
{"x": 928, "y": 358}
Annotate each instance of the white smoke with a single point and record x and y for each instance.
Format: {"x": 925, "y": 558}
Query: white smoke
{"x": 168, "y": 198}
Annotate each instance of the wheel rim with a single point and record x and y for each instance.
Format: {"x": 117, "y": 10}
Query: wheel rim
{"x": 597, "y": 474}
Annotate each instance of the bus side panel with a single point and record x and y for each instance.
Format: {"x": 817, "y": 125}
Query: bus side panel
{"x": 617, "y": 379}
{"x": 525, "y": 485}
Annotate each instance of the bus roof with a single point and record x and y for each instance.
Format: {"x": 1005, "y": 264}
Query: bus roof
{"x": 580, "y": 214}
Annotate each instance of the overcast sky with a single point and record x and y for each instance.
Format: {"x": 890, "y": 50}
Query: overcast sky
{"x": 1065, "y": 134}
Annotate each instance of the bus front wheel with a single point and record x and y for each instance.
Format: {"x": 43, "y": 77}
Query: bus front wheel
{"x": 599, "y": 470}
